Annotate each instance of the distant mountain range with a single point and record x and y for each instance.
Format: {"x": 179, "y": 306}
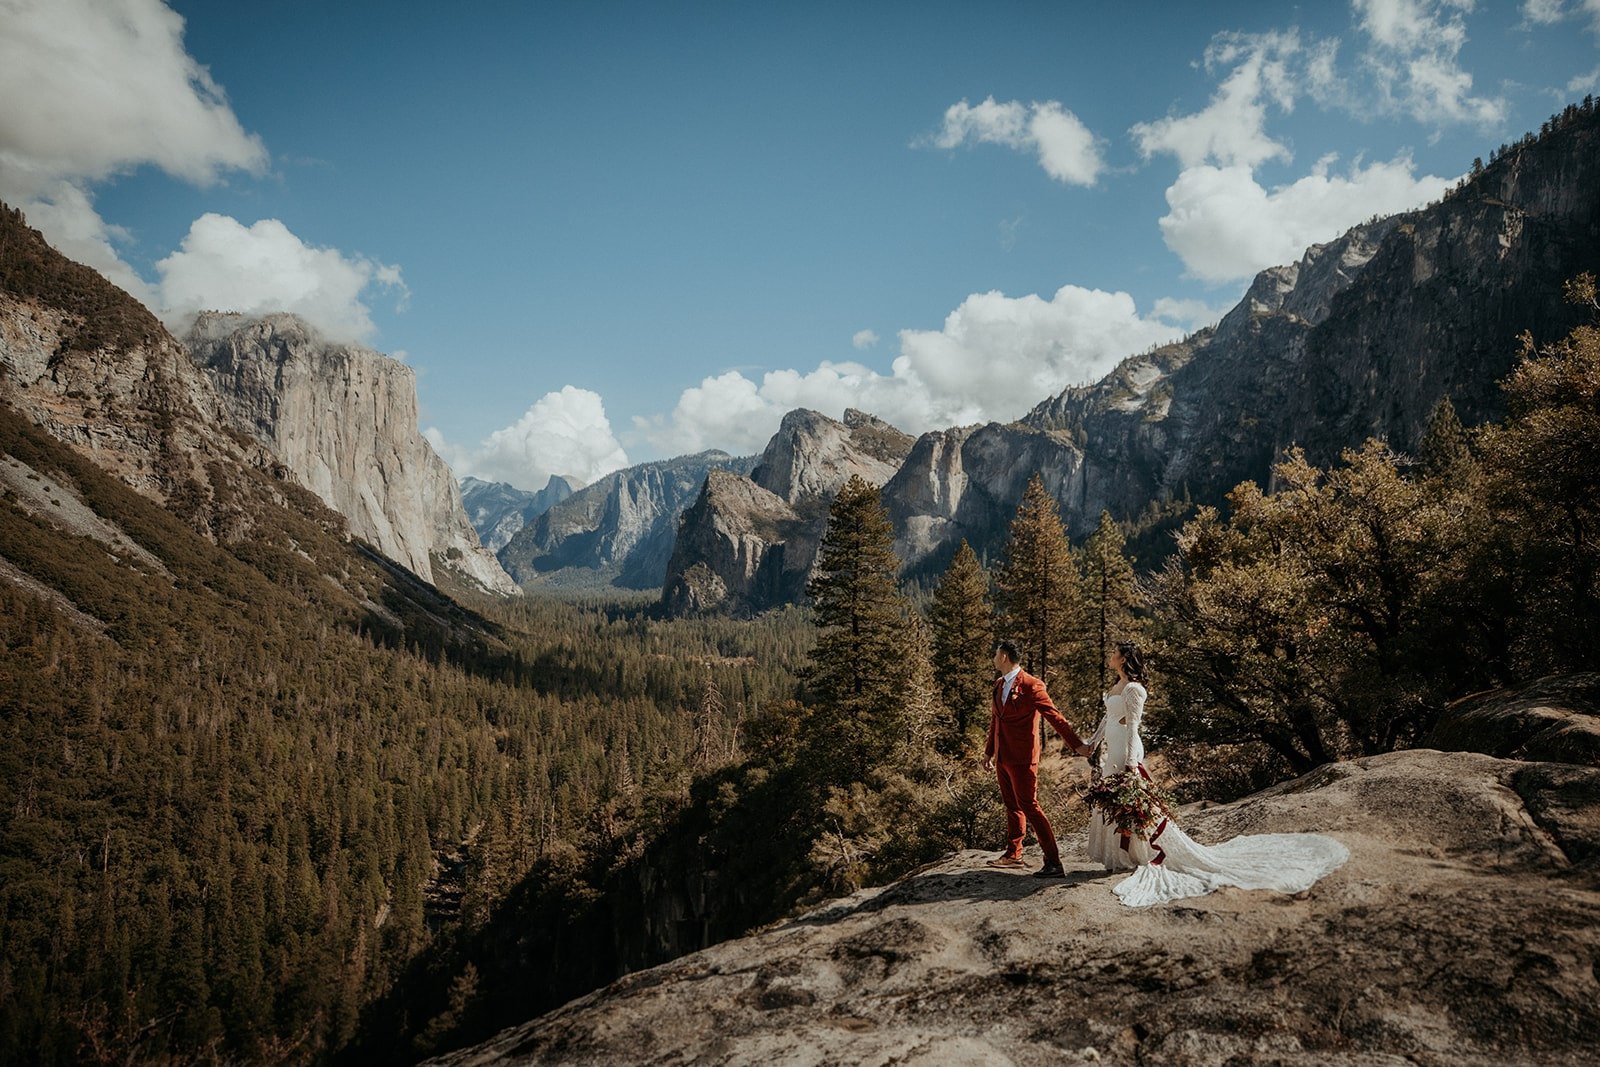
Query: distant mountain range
{"x": 498, "y": 510}
{"x": 1360, "y": 338}
{"x": 617, "y": 532}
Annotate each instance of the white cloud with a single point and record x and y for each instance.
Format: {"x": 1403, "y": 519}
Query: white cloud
{"x": 1413, "y": 60}
{"x": 1225, "y": 225}
{"x": 97, "y": 88}
{"x": 1232, "y": 127}
{"x": 1190, "y": 314}
{"x": 1542, "y": 12}
{"x": 1550, "y": 12}
{"x": 109, "y": 86}
{"x": 1065, "y": 147}
{"x": 994, "y": 358}
{"x": 94, "y": 89}
{"x": 226, "y": 266}
{"x": 1584, "y": 83}
{"x": 864, "y": 338}
{"x": 565, "y": 432}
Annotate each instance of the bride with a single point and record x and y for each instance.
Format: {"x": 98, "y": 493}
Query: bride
{"x": 1171, "y": 864}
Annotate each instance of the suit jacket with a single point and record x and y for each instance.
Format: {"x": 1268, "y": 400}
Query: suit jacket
{"x": 1014, "y": 727}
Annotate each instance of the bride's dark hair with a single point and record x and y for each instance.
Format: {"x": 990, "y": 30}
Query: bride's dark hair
{"x": 1132, "y": 661}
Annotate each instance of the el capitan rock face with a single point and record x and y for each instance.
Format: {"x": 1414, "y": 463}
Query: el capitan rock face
{"x": 750, "y": 543}
{"x": 1464, "y": 928}
{"x": 343, "y": 419}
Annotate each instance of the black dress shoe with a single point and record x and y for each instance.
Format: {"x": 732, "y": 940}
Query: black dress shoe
{"x": 1050, "y": 870}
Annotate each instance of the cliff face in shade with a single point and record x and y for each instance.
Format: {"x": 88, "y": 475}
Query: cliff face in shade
{"x": 498, "y": 510}
{"x": 750, "y": 543}
{"x": 618, "y": 531}
{"x": 343, "y": 420}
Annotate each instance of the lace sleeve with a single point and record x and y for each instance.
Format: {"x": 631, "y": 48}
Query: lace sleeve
{"x": 1133, "y": 695}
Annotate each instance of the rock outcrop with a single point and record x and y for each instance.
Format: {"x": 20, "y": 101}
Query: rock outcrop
{"x": 498, "y": 510}
{"x": 750, "y": 543}
{"x": 738, "y": 545}
{"x": 1464, "y": 928}
{"x": 93, "y": 367}
{"x": 617, "y": 532}
{"x": 343, "y": 420}
{"x": 1556, "y": 718}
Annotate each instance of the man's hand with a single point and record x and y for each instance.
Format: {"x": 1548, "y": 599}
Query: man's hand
{"x": 1085, "y": 751}
{"x": 988, "y": 763}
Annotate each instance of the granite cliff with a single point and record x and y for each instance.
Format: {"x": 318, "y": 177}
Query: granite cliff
{"x": 617, "y": 532}
{"x": 749, "y": 543}
{"x": 498, "y": 510}
{"x": 95, "y": 369}
{"x": 343, "y": 420}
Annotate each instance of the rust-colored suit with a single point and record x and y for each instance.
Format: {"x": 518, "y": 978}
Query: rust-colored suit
{"x": 1014, "y": 746}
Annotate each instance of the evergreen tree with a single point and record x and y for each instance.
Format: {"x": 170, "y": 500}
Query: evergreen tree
{"x": 1110, "y": 594}
{"x": 1444, "y": 452}
{"x": 709, "y": 747}
{"x": 1545, "y": 464}
{"x": 962, "y": 623}
{"x": 856, "y": 679}
{"x": 1039, "y": 592}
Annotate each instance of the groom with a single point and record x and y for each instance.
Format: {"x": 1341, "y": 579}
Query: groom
{"x": 1012, "y": 752}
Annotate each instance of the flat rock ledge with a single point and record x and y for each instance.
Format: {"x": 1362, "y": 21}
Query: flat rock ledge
{"x": 1465, "y": 929}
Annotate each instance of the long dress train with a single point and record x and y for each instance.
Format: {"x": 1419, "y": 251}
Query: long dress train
{"x": 1172, "y": 865}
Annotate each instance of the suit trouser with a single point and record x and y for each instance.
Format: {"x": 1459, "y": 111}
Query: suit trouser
{"x": 1019, "y": 791}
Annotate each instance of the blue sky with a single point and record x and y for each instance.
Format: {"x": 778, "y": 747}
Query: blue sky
{"x": 604, "y": 232}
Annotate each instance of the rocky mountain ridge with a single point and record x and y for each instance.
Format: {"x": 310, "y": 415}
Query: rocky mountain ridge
{"x": 342, "y": 419}
{"x": 750, "y": 543}
{"x": 498, "y": 510}
{"x": 1361, "y": 337}
{"x": 617, "y": 532}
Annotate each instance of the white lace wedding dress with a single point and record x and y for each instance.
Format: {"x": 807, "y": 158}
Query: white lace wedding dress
{"x": 1172, "y": 865}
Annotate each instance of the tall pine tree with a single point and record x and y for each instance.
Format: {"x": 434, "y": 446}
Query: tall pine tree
{"x": 1445, "y": 453}
{"x": 1110, "y": 595}
{"x": 857, "y": 680}
{"x": 1039, "y": 592}
{"x": 962, "y": 622}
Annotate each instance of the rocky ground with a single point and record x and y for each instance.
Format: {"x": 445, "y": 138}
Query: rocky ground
{"x": 1464, "y": 929}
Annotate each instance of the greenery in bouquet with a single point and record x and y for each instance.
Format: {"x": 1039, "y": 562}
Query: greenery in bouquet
{"x": 1129, "y": 801}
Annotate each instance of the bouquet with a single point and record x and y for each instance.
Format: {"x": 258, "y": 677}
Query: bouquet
{"x": 1129, "y": 801}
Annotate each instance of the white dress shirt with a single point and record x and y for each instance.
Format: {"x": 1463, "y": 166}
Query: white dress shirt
{"x": 1011, "y": 680}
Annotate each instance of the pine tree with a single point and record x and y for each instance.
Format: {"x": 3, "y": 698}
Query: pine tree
{"x": 709, "y": 747}
{"x": 1110, "y": 594}
{"x": 1444, "y": 452}
{"x": 962, "y": 622}
{"x": 1038, "y": 589}
{"x": 856, "y": 678}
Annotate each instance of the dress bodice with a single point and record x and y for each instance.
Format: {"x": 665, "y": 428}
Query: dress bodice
{"x": 1119, "y": 729}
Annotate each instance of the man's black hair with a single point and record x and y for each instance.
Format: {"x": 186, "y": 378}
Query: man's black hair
{"x": 1013, "y": 653}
